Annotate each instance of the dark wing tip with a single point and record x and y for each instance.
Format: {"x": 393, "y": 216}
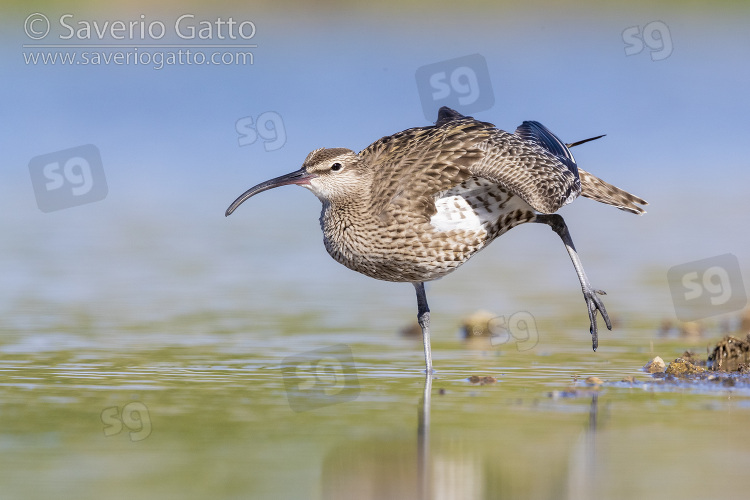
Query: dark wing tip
{"x": 578, "y": 143}
{"x": 540, "y": 135}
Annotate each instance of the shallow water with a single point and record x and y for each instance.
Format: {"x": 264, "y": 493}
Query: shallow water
{"x": 218, "y": 419}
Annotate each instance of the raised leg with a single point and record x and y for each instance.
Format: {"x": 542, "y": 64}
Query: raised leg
{"x": 593, "y": 302}
{"x": 423, "y": 316}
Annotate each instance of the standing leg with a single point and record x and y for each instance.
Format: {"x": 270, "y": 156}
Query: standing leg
{"x": 423, "y": 316}
{"x": 424, "y": 464}
{"x": 593, "y": 302}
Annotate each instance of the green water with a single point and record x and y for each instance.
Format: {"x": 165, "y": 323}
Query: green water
{"x": 213, "y": 419}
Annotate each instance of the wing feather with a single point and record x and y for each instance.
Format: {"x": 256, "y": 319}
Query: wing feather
{"x": 411, "y": 168}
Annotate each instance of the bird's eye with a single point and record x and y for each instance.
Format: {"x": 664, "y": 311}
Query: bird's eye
{"x": 336, "y": 166}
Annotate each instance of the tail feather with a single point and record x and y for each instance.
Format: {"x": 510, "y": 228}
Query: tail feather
{"x": 596, "y": 189}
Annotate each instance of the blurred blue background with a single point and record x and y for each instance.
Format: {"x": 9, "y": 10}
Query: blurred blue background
{"x": 336, "y": 75}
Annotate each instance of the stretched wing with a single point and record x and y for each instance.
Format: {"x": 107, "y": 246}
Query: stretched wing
{"x": 533, "y": 164}
{"x": 410, "y": 167}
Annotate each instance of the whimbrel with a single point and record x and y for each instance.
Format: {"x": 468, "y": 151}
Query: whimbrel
{"x": 414, "y": 206}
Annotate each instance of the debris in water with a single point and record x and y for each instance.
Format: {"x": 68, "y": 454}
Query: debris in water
{"x": 693, "y": 358}
{"x": 656, "y": 365}
{"x": 681, "y": 367}
{"x": 731, "y": 355}
{"x": 475, "y": 379}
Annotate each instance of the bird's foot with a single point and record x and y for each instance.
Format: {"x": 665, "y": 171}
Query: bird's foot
{"x": 594, "y": 304}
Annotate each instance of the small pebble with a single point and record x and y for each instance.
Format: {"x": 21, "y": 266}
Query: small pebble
{"x": 656, "y": 365}
{"x": 475, "y": 379}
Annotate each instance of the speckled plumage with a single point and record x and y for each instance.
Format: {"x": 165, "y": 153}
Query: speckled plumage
{"x": 415, "y": 205}
{"x": 384, "y": 229}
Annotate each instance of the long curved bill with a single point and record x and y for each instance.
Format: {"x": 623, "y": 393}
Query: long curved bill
{"x": 299, "y": 177}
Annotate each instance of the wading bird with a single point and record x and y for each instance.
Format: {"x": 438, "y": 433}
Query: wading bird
{"x": 414, "y": 206}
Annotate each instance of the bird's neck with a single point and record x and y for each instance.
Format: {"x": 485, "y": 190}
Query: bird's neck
{"x": 339, "y": 214}
{"x": 344, "y": 226}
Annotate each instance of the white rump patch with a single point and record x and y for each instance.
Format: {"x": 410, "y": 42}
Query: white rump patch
{"x": 454, "y": 212}
{"x": 474, "y": 205}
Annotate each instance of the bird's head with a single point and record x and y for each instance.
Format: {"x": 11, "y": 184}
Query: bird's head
{"x": 332, "y": 174}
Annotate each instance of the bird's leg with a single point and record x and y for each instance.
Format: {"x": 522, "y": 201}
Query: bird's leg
{"x": 593, "y": 302}
{"x": 423, "y": 316}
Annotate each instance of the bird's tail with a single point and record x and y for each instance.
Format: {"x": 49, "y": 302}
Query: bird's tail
{"x": 596, "y": 189}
